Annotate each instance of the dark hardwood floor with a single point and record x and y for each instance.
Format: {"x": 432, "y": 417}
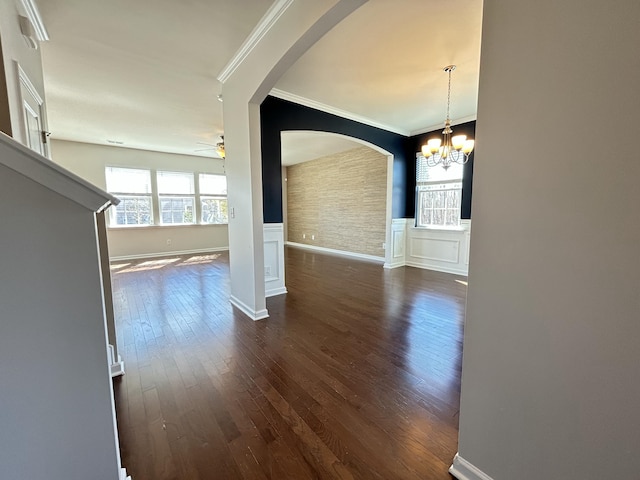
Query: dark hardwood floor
{"x": 355, "y": 375}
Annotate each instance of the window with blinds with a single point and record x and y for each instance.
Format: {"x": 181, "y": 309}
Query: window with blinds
{"x": 176, "y": 193}
{"x": 438, "y": 194}
{"x": 133, "y": 187}
{"x": 180, "y": 198}
{"x": 213, "y": 198}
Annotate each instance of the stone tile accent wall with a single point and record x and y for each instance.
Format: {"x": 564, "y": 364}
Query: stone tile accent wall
{"x": 340, "y": 200}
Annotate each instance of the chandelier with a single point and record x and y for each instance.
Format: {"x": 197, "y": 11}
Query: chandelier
{"x": 220, "y": 148}
{"x": 450, "y": 149}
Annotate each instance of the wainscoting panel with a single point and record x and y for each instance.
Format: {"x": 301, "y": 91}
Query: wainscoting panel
{"x": 438, "y": 249}
{"x": 441, "y": 250}
{"x": 274, "y": 259}
{"x": 398, "y": 241}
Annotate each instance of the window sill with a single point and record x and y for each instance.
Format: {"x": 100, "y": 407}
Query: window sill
{"x": 164, "y": 227}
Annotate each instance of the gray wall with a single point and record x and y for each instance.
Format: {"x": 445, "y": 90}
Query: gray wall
{"x": 551, "y": 357}
{"x": 56, "y": 411}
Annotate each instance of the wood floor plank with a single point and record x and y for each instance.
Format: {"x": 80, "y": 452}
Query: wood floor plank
{"x": 355, "y": 374}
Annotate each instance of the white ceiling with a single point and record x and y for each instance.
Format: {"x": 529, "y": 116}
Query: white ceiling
{"x": 144, "y": 72}
{"x": 301, "y": 146}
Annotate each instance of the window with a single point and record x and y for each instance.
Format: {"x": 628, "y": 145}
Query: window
{"x": 176, "y": 194}
{"x": 439, "y": 195}
{"x": 213, "y": 198}
{"x": 133, "y": 188}
{"x": 174, "y": 198}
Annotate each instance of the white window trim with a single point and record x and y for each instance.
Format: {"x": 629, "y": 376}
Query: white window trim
{"x": 452, "y": 228}
{"x": 156, "y": 218}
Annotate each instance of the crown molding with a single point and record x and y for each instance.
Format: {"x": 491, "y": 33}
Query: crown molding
{"x": 33, "y": 14}
{"x": 457, "y": 121}
{"x": 264, "y": 25}
{"x": 307, "y": 102}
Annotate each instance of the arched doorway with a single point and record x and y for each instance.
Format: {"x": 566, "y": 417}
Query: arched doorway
{"x": 337, "y": 194}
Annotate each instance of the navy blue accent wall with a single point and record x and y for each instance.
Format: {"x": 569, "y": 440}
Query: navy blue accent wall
{"x": 279, "y": 115}
{"x": 414, "y": 144}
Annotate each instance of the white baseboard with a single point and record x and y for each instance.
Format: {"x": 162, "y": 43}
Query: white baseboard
{"x": 393, "y": 265}
{"x": 117, "y": 368}
{"x": 463, "y": 470}
{"x": 168, "y": 254}
{"x": 123, "y": 474}
{"x": 249, "y": 312}
{"x": 437, "y": 268}
{"x": 275, "y": 291}
{"x": 332, "y": 251}
{"x": 116, "y": 365}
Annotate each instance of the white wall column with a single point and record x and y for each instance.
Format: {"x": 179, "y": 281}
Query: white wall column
{"x": 286, "y": 31}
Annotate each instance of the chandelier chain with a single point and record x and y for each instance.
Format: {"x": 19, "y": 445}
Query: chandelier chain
{"x": 449, "y": 149}
{"x": 449, "y": 96}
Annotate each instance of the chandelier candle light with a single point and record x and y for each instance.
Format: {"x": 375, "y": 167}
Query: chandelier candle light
{"x": 220, "y": 148}
{"x": 451, "y": 149}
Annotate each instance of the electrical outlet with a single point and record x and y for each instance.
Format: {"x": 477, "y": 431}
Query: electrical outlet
{"x": 168, "y": 242}
{"x": 313, "y": 237}
{"x": 304, "y": 235}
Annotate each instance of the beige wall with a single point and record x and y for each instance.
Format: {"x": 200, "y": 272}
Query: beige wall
{"x": 15, "y": 49}
{"x": 341, "y": 200}
{"x": 550, "y": 384}
{"x": 89, "y": 162}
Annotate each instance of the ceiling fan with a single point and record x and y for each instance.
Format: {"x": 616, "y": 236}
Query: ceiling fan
{"x": 218, "y": 147}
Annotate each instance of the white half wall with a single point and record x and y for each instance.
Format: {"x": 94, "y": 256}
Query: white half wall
{"x": 433, "y": 249}
{"x": 274, "y": 283}
{"x": 439, "y": 249}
